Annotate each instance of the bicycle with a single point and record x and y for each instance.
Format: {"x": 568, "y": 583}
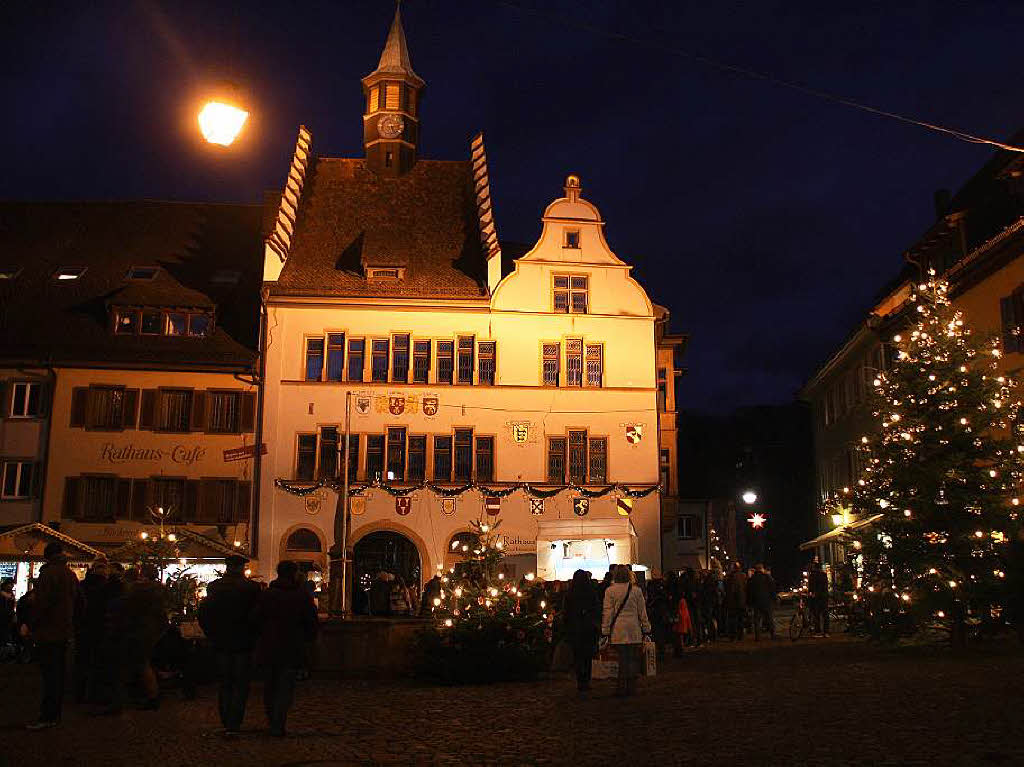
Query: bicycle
{"x": 801, "y": 621}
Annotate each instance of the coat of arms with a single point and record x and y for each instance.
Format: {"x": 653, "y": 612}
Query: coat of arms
{"x": 403, "y": 505}
{"x": 396, "y": 404}
{"x": 624, "y": 506}
{"x": 362, "y": 404}
{"x": 357, "y": 505}
{"x": 312, "y": 504}
{"x": 447, "y": 506}
{"x": 581, "y": 506}
{"x": 536, "y": 506}
{"x": 492, "y": 505}
{"x": 430, "y": 406}
{"x": 520, "y": 432}
{"x": 634, "y": 433}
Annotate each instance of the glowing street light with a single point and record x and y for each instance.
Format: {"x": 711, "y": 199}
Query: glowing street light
{"x": 221, "y": 122}
{"x": 749, "y": 497}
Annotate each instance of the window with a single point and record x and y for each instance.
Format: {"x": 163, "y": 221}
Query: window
{"x": 463, "y": 455}
{"x": 445, "y": 361}
{"x": 686, "y": 526}
{"x": 570, "y": 294}
{"x": 226, "y": 277}
{"x": 199, "y": 324}
{"x": 328, "y": 467}
{"x": 68, "y": 273}
{"x": 305, "y": 461}
{"x": 486, "y": 350}
{"x": 105, "y": 407}
{"x": 595, "y": 365}
{"x": 356, "y": 353}
{"x": 386, "y": 275}
{"x": 550, "y": 364}
{"x": 598, "y": 460}
{"x": 421, "y": 361}
{"x": 442, "y": 459}
{"x": 1012, "y": 314}
{"x": 143, "y": 272}
{"x": 98, "y": 498}
{"x": 662, "y": 389}
{"x": 126, "y": 322}
{"x": 392, "y": 94}
{"x": 220, "y": 501}
{"x": 224, "y": 412}
{"x": 484, "y": 459}
{"x": 176, "y": 323}
{"x": 466, "y": 360}
{"x": 305, "y": 540}
{"x": 335, "y": 356}
{"x": 169, "y": 494}
{"x": 175, "y": 410}
{"x": 400, "y": 359}
{"x": 556, "y": 460}
{"x": 417, "y": 459}
{"x": 578, "y": 457}
{"x": 396, "y": 454}
{"x": 372, "y": 99}
{"x": 572, "y": 238}
{"x": 17, "y": 479}
{"x": 152, "y": 323}
{"x": 353, "y": 456}
{"x": 26, "y": 399}
{"x": 314, "y": 359}
{"x": 379, "y": 360}
{"x": 574, "y": 362}
{"x": 664, "y": 464}
{"x": 374, "y": 456}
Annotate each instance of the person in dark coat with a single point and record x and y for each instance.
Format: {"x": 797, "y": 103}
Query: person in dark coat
{"x": 7, "y": 608}
{"x": 817, "y": 586}
{"x": 662, "y": 614}
{"x": 761, "y": 596}
{"x": 51, "y": 626}
{"x": 431, "y": 590}
{"x": 736, "y": 600}
{"x": 582, "y": 624}
{"x": 139, "y": 619}
{"x": 380, "y": 595}
{"x": 89, "y": 632}
{"x": 23, "y": 619}
{"x": 227, "y": 618}
{"x": 286, "y": 619}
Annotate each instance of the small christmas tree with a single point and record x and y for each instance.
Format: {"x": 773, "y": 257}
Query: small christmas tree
{"x": 942, "y": 472}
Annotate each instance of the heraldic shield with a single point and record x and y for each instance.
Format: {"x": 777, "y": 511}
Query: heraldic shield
{"x": 403, "y": 505}
{"x": 581, "y": 506}
{"x": 536, "y": 506}
{"x": 430, "y": 406}
{"x": 396, "y": 405}
{"x": 634, "y": 433}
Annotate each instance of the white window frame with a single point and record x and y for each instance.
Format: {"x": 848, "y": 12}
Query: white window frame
{"x": 28, "y": 398}
{"x": 19, "y": 467}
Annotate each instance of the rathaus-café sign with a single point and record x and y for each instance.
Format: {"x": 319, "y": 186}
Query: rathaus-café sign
{"x": 183, "y": 454}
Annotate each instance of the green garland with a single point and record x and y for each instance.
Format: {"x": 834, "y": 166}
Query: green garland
{"x": 304, "y": 488}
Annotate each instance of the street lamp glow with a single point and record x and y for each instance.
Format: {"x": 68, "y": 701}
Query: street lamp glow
{"x": 757, "y": 521}
{"x": 749, "y": 497}
{"x": 221, "y": 123}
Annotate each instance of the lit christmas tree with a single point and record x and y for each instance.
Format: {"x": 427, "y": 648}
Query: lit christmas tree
{"x": 943, "y": 469}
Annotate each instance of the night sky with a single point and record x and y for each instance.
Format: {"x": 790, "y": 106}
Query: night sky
{"x": 764, "y": 219}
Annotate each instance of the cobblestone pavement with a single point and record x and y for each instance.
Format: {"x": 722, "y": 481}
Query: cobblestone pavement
{"x": 822, "y": 701}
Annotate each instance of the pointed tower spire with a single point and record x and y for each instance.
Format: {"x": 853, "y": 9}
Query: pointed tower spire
{"x": 391, "y": 125}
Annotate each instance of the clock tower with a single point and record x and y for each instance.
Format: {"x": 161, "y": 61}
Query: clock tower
{"x": 391, "y": 125}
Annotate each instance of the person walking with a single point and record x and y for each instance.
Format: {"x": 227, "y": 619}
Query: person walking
{"x": 582, "y": 625}
{"x": 736, "y": 601}
{"x": 761, "y": 595}
{"x": 286, "y": 619}
{"x": 52, "y": 625}
{"x": 227, "y": 618}
{"x": 625, "y": 624}
{"x": 817, "y": 586}
{"x": 139, "y": 620}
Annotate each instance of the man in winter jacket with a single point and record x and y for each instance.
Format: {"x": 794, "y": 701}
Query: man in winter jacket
{"x": 736, "y": 600}
{"x": 226, "y": 616}
{"x": 138, "y": 620}
{"x": 761, "y": 595}
{"x": 52, "y": 625}
{"x": 817, "y": 585}
{"x": 286, "y": 619}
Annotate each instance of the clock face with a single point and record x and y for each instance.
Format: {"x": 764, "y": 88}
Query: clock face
{"x": 390, "y": 126}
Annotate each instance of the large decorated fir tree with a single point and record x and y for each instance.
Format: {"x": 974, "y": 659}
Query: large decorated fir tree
{"x": 943, "y": 469}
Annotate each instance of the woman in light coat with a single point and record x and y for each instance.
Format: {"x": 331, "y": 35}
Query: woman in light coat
{"x": 625, "y": 624}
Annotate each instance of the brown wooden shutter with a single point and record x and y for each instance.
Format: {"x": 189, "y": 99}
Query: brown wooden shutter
{"x": 140, "y": 499}
{"x": 147, "y": 412}
{"x": 244, "y": 501}
{"x": 122, "y": 508}
{"x": 6, "y": 392}
{"x": 191, "y": 500}
{"x": 247, "y": 422}
{"x": 131, "y": 407}
{"x": 79, "y": 403}
{"x": 45, "y": 396}
{"x": 208, "y": 498}
{"x": 198, "y": 410}
{"x": 71, "y": 504}
{"x": 37, "y": 478}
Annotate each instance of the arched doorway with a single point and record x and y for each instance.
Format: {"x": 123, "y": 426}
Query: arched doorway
{"x": 382, "y": 551}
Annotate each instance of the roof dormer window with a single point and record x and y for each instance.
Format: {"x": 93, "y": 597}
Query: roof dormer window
{"x": 143, "y": 272}
{"x": 66, "y": 273}
{"x": 226, "y": 277}
{"x": 572, "y": 239}
{"x": 389, "y": 274}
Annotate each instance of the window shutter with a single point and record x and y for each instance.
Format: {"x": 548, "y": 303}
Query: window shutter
{"x": 248, "y": 418}
{"x": 244, "y": 501}
{"x": 79, "y": 402}
{"x": 131, "y": 407}
{"x": 1010, "y": 338}
{"x": 37, "y": 479}
{"x": 71, "y": 504}
{"x": 208, "y": 499}
{"x": 147, "y": 411}
{"x": 191, "y": 500}
{"x": 140, "y": 499}
{"x": 5, "y": 403}
{"x": 124, "y": 495}
{"x": 45, "y": 394}
{"x": 198, "y": 410}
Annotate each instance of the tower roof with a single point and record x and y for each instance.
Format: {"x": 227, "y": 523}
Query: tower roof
{"x": 394, "y": 59}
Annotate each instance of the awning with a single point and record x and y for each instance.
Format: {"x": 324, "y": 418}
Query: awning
{"x": 585, "y": 529}
{"x": 26, "y": 543}
{"x": 839, "y": 534}
{"x": 191, "y": 544}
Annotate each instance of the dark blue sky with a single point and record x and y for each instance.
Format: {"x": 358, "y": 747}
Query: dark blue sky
{"x": 764, "y": 219}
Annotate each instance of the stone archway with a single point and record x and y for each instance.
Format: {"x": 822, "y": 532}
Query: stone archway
{"x": 304, "y": 543}
{"x": 383, "y": 550}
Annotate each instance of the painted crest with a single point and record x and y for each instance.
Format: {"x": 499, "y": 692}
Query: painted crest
{"x": 624, "y": 506}
{"x": 312, "y": 503}
{"x": 634, "y": 433}
{"x": 448, "y": 506}
{"x": 536, "y": 506}
{"x": 362, "y": 404}
{"x": 430, "y": 406}
{"x": 403, "y": 505}
{"x": 357, "y": 505}
{"x": 396, "y": 404}
{"x": 412, "y": 404}
{"x": 520, "y": 432}
{"x": 581, "y": 506}
{"x": 492, "y": 505}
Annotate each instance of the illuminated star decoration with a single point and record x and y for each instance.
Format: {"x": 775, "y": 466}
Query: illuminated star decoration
{"x": 757, "y": 520}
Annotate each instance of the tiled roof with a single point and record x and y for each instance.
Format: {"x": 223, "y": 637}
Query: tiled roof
{"x": 424, "y": 221}
{"x": 197, "y": 246}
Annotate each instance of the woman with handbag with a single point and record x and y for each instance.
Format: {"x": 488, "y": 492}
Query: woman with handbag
{"x": 625, "y": 625}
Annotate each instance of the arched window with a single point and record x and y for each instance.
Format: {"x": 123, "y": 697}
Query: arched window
{"x": 303, "y": 539}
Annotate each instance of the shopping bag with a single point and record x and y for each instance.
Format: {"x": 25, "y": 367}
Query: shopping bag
{"x": 605, "y": 665}
{"x": 650, "y": 655}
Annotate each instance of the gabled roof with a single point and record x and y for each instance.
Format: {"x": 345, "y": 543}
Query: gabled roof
{"x": 425, "y": 221}
{"x": 44, "y": 320}
{"x": 13, "y": 542}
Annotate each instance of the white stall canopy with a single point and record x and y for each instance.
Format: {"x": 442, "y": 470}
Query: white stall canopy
{"x": 567, "y": 545}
